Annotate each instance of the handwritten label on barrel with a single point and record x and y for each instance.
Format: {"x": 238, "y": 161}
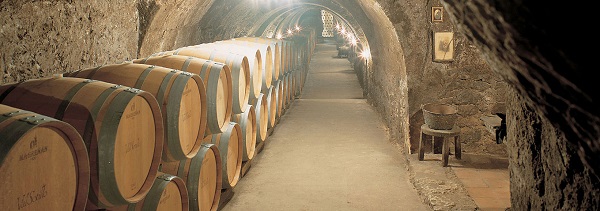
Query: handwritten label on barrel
{"x": 31, "y": 197}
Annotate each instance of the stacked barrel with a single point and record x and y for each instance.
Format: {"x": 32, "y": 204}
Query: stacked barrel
{"x": 167, "y": 132}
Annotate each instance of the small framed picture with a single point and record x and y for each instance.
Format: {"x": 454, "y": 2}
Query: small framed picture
{"x": 437, "y": 14}
{"x": 443, "y": 46}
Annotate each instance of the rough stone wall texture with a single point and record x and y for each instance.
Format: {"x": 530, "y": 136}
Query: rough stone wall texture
{"x": 227, "y": 19}
{"x": 41, "y": 38}
{"x": 553, "y": 115}
{"x": 545, "y": 171}
{"x": 169, "y": 24}
{"x": 467, "y": 81}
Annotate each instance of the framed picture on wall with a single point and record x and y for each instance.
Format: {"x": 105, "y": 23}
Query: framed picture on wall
{"x": 443, "y": 46}
{"x": 437, "y": 14}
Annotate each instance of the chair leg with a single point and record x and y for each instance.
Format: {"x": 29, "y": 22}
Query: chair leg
{"x": 457, "y": 150}
{"x": 421, "y": 150}
{"x": 445, "y": 152}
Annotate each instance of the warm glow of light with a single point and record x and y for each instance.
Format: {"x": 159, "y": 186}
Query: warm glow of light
{"x": 289, "y": 31}
{"x": 343, "y": 31}
{"x": 337, "y": 26}
{"x": 297, "y": 28}
{"x": 353, "y": 41}
{"x": 279, "y": 36}
{"x": 366, "y": 53}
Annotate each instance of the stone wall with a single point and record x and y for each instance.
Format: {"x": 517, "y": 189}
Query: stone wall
{"x": 41, "y": 38}
{"x": 552, "y": 107}
{"x": 545, "y": 171}
{"x": 467, "y": 81}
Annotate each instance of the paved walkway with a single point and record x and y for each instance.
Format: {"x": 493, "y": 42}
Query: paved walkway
{"x": 330, "y": 151}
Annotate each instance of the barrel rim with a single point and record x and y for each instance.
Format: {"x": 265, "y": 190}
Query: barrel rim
{"x": 80, "y": 155}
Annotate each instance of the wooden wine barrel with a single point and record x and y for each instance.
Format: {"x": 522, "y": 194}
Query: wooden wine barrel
{"x": 275, "y": 47}
{"x": 217, "y": 82}
{"x": 44, "y": 164}
{"x": 121, "y": 126}
{"x": 279, "y": 98}
{"x": 268, "y": 62}
{"x": 202, "y": 175}
{"x": 255, "y": 61}
{"x": 286, "y": 91}
{"x": 168, "y": 193}
{"x": 238, "y": 64}
{"x": 181, "y": 95}
{"x": 230, "y": 146}
{"x": 272, "y": 106}
{"x": 247, "y": 122}
{"x": 286, "y": 55}
{"x": 290, "y": 86}
{"x": 262, "y": 117}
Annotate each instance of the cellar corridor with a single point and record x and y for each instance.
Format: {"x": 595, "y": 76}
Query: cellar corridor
{"x": 328, "y": 152}
{"x": 297, "y": 105}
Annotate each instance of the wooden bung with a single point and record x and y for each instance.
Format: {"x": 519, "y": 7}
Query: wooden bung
{"x": 121, "y": 126}
{"x": 44, "y": 164}
{"x": 217, "y": 82}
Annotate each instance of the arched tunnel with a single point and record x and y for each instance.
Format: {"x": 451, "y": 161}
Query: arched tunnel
{"x": 515, "y": 72}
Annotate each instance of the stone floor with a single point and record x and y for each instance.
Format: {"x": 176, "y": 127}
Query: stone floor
{"x": 486, "y": 180}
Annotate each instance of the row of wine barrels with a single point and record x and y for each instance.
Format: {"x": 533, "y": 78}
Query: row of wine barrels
{"x": 217, "y": 82}
{"x": 247, "y": 122}
{"x": 44, "y": 163}
{"x": 255, "y": 61}
{"x": 275, "y": 48}
{"x": 202, "y": 175}
{"x": 168, "y": 193}
{"x": 181, "y": 95}
{"x": 238, "y": 64}
{"x": 262, "y": 117}
{"x": 267, "y": 55}
{"x": 121, "y": 126}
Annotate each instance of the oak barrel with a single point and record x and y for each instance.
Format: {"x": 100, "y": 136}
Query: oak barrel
{"x": 271, "y": 96}
{"x": 275, "y": 47}
{"x": 181, "y": 95}
{"x": 202, "y": 175}
{"x": 44, "y": 164}
{"x": 121, "y": 126}
{"x": 238, "y": 64}
{"x": 168, "y": 193}
{"x": 267, "y": 54}
{"x": 255, "y": 61}
{"x": 262, "y": 117}
{"x": 217, "y": 82}
{"x": 230, "y": 146}
{"x": 247, "y": 122}
{"x": 279, "y": 98}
